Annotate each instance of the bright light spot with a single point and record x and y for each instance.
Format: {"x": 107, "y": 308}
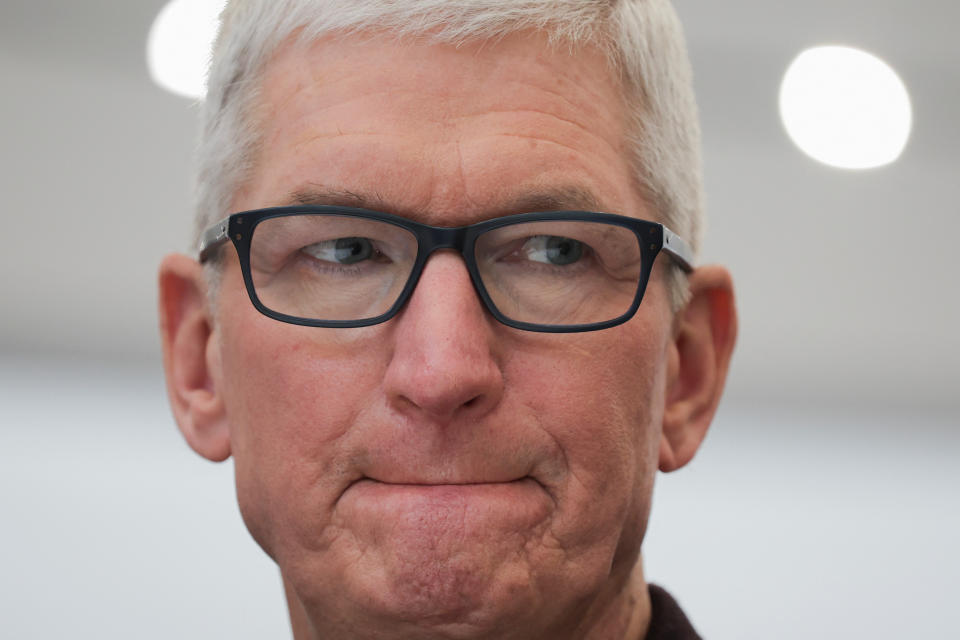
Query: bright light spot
{"x": 846, "y": 108}
{"x": 179, "y": 44}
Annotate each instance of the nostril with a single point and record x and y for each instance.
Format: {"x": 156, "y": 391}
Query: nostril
{"x": 472, "y": 402}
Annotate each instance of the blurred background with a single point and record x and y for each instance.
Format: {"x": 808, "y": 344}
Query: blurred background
{"x": 823, "y": 504}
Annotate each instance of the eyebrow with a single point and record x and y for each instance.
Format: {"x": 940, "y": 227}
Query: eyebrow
{"x": 556, "y": 199}
{"x": 316, "y": 195}
{"x": 561, "y": 198}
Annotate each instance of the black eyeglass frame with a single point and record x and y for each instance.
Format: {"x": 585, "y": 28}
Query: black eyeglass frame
{"x": 652, "y": 237}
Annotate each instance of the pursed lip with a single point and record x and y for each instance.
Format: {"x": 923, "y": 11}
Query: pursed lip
{"x": 414, "y": 483}
{"x": 413, "y": 495}
{"x": 465, "y": 486}
{"x": 416, "y": 511}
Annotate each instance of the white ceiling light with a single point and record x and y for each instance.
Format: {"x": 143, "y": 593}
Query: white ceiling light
{"x": 846, "y": 108}
{"x": 178, "y": 47}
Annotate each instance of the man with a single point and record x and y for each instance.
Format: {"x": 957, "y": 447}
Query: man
{"x": 420, "y": 335}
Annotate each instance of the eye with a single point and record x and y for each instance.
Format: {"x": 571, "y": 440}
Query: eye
{"x": 343, "y": 250}
{"x": 556, "y": 250}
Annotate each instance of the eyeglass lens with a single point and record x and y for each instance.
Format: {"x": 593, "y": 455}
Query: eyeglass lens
{"x": 343, "y": 268}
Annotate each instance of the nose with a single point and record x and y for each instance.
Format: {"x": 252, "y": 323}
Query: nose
{"x": 444, "y": 364}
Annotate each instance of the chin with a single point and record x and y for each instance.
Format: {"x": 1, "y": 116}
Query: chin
{"x": 470, "y": 591}
{"x": 462, "y": 595}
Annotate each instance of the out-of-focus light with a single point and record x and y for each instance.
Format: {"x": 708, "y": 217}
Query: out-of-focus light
{"x": 846, "y": 108}
{"x": 178, "y": 47}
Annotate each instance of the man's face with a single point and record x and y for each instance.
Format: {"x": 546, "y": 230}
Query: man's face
{"x": 441, "y": 469}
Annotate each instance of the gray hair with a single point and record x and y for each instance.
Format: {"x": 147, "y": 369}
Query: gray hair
{"x": 642, "y": 40}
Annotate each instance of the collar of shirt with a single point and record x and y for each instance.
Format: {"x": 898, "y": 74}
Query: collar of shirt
{"x": 667, "y": 620}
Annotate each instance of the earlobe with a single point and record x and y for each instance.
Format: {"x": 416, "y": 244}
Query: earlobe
{"x": 699, "y": 358}
{"x": 191, "y": 359}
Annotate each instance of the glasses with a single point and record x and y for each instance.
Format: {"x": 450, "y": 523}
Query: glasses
{"x": 555, "y": 272}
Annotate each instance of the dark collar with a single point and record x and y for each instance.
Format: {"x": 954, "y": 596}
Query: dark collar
{"x": 667, "y": 620}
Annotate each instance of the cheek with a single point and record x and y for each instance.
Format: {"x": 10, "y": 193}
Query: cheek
{"x": 602, "y": 404}
{"x": 603, "y": 395}
{"x": 290, "y": 398}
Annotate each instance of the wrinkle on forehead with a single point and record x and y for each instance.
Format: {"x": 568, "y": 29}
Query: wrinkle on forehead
{"x": 547, "y": 198}
{"x": 334, "y": 91}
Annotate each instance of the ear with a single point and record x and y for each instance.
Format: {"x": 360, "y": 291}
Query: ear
{"x": 699, "y": 357}
{"x": 191, "y": 358}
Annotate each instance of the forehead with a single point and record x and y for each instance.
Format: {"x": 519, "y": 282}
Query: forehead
{"x": 441, "y": 132}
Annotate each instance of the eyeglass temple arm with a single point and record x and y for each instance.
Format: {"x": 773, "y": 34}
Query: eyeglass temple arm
{"x": 678, "y": 249}
{"x": 212, "y": 238}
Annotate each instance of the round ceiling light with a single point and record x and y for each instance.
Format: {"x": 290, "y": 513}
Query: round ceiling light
{"x": 846, "y": 108}
{"x": 179, "y": 44}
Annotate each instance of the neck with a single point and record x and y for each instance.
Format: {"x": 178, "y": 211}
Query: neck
{"x": 621, "y": 614}
{"x": 299, "y": 621}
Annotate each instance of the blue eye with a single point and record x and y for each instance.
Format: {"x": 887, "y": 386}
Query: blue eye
{"x": 555, "y": 250}
{"x": 342, "y": 250}
{"x": 563, "y": 251}
{"x": 353, "y": 250}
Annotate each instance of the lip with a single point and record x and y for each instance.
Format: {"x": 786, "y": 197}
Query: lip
{"x": 386, "y": 498}
{"x": 367, "y": 483}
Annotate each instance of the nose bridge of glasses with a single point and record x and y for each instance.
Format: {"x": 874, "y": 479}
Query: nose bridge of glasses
{"x": 434, "y": 238}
